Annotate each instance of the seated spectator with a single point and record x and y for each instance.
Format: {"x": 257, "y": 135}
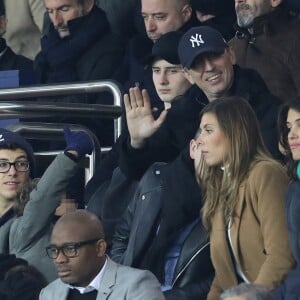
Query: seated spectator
{"x": 161, "y": 231}
{"x": 247, "y": 291}
{"x": 167, "y": 74}
{"x": 210, "y": 65}
{"x": 17, "y": 167}
{"x": 217, "y": 14}
{"x": 78, "y": 250}
{"x": 27, "y": 235}
{"x": 112, "y": 193}
{"x": 18, "y": 280}
{"x": 158, "y": 18}
{"x": 25, "y": 25}
{"x": 290, "y": 139}
{"x": 244, "y": 191}
{"x": 267, "y": 40}
{"x": 79, "y": 45}
{"x": 8, "y": 59}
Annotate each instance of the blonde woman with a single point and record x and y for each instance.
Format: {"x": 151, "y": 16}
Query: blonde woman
{"x": 244, "y": 192}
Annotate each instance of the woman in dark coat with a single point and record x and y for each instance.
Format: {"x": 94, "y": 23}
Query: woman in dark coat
{"x": 289, "y": 125}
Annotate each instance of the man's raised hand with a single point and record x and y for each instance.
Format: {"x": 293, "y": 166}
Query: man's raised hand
{"x": 140, "y": 121}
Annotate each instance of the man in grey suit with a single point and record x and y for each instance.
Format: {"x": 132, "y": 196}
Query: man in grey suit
{"x": 78, "y": 250}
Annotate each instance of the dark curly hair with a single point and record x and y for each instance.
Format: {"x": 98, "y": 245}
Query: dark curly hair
{"x": 291, "y": 164}
{"x": 24, "y": 196}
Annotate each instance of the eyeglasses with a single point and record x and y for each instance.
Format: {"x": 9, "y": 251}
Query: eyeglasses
{"x": 19, "y": 165}
{"x": 69, "y": 249}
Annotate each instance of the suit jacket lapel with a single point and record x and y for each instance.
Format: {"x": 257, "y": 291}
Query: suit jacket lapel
{"x": 61, "y": 290}
{"x": 108, "y": 280}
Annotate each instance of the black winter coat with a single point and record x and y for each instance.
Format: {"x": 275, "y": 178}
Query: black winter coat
{"x": 183, "y": 121}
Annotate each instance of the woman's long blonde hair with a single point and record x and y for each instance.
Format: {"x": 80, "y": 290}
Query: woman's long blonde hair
{"x": 239, "y": 124}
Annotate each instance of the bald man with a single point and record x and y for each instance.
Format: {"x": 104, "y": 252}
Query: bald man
{"x": 86, "y": 272}
{"x": 158, "y": 18}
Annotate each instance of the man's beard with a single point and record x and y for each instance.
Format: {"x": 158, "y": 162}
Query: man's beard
{"x": 245, "y": 15}
{"x": 63, "y": 31}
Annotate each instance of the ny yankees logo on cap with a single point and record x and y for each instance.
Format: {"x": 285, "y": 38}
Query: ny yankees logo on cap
{"x": 197, "y": 39}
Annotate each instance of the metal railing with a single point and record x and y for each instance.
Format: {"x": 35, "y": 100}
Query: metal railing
{"x": 33, "y": 109}
{"x": 40, "y": 130}
{"x": 23, "y": 109}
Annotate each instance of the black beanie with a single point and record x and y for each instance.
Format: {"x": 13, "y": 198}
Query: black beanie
{"x": 11, "y": 138}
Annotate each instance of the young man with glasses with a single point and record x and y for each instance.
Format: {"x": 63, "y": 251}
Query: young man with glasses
{"x": 16, "y": 168}
{"x": 86, "y": 272}
{"x": 36, "y": 206}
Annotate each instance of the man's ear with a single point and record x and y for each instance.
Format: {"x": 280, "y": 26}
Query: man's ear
{"x": 88, "y": 5}
{"x": 232, "y": 55}
{"x": 275, "y": 3}
{"x": 186, "y": 12}
{"x": 188, "y": 76}
{"x": 101, "y": 247}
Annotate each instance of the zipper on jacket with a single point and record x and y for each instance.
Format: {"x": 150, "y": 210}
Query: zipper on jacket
{"x": 188, "y": 263}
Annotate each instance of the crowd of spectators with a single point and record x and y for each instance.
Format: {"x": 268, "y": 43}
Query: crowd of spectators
{"x": 198, "y": 198}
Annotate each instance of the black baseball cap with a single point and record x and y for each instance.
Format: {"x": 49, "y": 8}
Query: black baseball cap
{"x": 199, "y": 40}
{"x": 166, "y": 48}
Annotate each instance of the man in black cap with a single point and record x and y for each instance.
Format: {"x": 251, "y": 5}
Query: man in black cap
{"x": 171, "y": 85}
{"x": 17, "y": 164}
{"x": 167, "y": 73}
{"x": 210, "y": 64}
{"x": 208, "y": 61}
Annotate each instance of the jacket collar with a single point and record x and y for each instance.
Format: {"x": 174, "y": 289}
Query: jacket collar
{"x": 107, "y": 283}
{"x": 108, "y": 280}
{"x": 266, "y": 24}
